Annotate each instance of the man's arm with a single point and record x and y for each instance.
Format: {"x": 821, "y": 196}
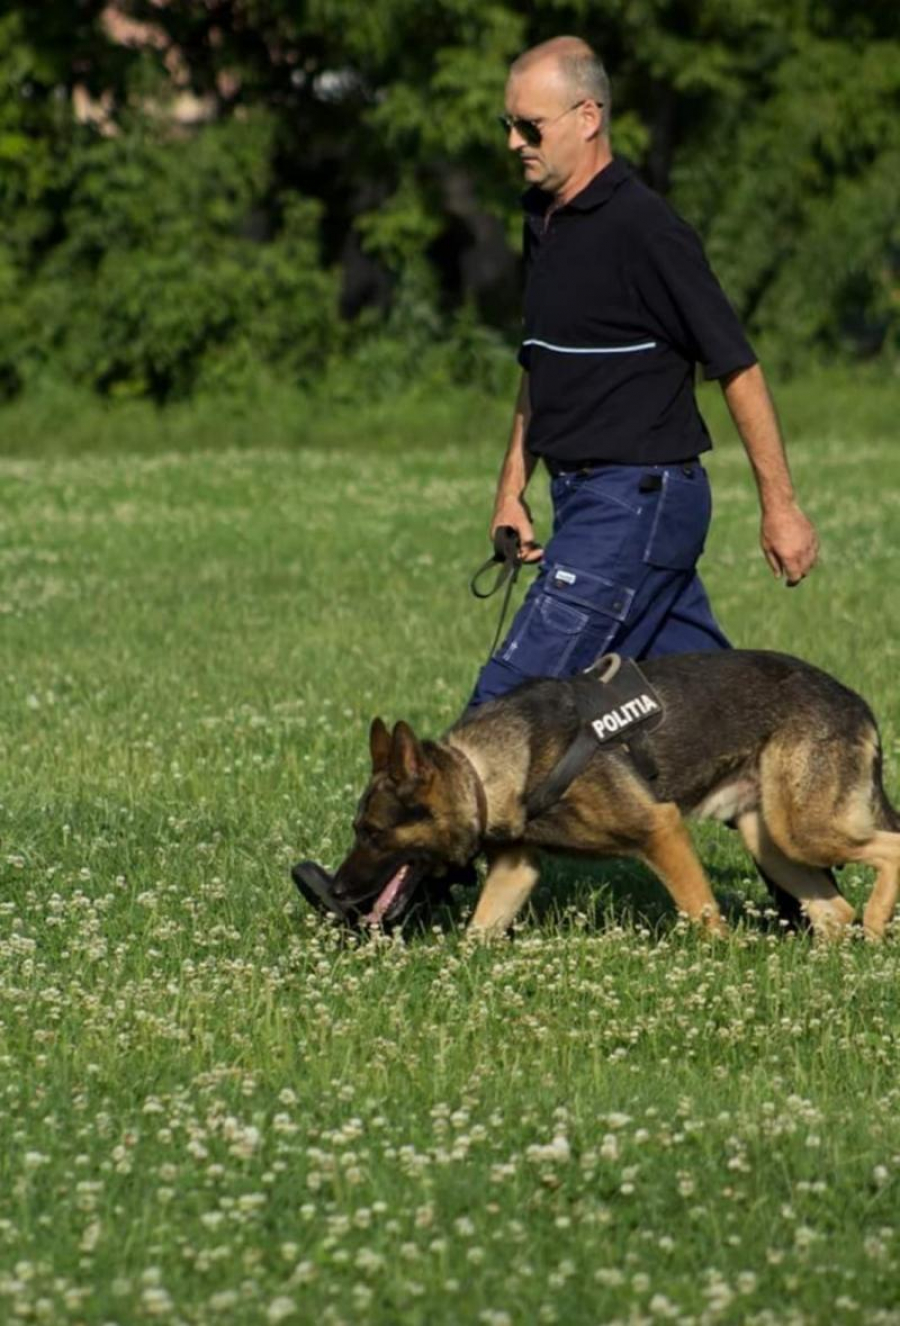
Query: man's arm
{"x": 510, "y": 507}
{"x": 788, "y": 538}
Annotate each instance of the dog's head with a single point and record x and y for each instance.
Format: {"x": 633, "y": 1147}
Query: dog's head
{"x": 417, "y": 816}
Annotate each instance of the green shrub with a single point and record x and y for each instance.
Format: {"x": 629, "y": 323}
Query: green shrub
{"x": 159, "y": 283}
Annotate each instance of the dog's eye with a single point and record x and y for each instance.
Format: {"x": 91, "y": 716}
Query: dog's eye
{"x": 368, "y": 836}
{"x": 415, "y": 813}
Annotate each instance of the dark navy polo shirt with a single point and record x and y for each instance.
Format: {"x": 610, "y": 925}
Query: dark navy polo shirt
{"x": 620, "y": 306}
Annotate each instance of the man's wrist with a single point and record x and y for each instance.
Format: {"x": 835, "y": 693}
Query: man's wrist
{"x": 777, "y": 502}
{"x": 513, "y": 498}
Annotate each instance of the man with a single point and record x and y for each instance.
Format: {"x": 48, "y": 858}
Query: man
{"x": 620, "y": 306}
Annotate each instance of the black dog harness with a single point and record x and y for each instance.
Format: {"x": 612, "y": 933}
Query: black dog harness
{"x": 618, "y": 713}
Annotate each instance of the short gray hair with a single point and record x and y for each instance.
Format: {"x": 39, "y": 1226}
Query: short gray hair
{"x": 588, "y": 78}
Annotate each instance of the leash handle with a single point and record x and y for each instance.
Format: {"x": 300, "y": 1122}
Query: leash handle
{"x": 507, "y": 544}
{"x": 507, "y": 558}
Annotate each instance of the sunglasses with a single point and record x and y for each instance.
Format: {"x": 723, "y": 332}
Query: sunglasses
{"x": 533, "y": 130}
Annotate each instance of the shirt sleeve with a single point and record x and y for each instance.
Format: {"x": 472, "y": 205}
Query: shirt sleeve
{"x": 680, "y": 290}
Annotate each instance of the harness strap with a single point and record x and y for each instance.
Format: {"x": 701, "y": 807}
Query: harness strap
{"x": 601, "y": 723}
{"x": 557, "y": 782}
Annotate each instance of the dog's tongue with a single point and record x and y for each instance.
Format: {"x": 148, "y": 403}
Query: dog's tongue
{"x": 387, "y": 896}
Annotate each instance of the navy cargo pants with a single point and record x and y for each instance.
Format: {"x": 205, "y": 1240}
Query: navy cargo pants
{"x": 619, "y": 573}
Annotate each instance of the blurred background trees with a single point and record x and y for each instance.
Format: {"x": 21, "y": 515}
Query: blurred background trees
{"x": 194, "y": 193}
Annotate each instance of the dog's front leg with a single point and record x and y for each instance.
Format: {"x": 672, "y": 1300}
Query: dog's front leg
{"x": 668, "y": 851}
{"x": 512, "y": 875}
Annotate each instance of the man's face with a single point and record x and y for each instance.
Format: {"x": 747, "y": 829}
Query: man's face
{"x": 540, "y": 95}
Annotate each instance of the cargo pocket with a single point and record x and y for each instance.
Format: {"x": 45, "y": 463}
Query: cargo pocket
{"x": 543, "y": 644}
{"x": 573, "y": 610}
{"x": 589, "y": 590}
{"x": 680, "y": 522}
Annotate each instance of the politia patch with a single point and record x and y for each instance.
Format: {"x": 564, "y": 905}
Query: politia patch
{"x": 614, "y": 722}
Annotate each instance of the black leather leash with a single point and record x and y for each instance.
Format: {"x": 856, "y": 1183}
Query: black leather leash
{"x": 508, "y": 560}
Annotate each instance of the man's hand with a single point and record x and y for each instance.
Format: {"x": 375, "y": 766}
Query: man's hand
{"x": 789, "y": 542}
{"x": 514, "y": 511}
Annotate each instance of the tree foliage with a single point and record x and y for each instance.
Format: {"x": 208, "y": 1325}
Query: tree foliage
{"x": 345, "y": 160}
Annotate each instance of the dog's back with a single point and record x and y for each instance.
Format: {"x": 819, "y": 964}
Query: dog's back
{"x": 720, "y": 710}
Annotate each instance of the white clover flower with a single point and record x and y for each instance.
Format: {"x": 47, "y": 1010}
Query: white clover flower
{"x": 368, "y": 1260}
{"x": 719, "y": 1293}
{"x": 224, "y": 1300}
{"x": 251, "y": 1201}
{"x": 280, "y": 1309}
{"x": 618, "y": 1120}
{"x": 156, "y": 1301}
{"x": 91, "y": 1236}
{"x": 610, "y": 1276}
{"x": 609, "y": 1148}
{"x": 246, "y": 1141}
{"x": 557, "y": 1151}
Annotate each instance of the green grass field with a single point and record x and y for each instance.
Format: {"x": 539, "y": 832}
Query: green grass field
{"x": 215, "y": 1108}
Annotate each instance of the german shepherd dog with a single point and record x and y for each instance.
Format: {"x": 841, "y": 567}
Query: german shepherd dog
{"x": 762, "y": 741}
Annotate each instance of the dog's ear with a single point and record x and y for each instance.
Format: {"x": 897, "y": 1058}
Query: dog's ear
{"x": 379, "y": 745}
{"x": 406, "y": 762}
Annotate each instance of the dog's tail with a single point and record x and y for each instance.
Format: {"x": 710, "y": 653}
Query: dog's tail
{"x": 886, "y": 815}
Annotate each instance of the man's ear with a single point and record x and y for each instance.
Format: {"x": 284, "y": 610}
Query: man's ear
{"x": 406, "y": 762}
{"x": 379, "y": 745}
{"x": 594, "y": 119}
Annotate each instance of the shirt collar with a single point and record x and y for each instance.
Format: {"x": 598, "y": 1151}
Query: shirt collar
{"x": 596, "y": 192}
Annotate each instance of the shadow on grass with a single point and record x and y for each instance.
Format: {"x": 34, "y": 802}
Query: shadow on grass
{"x": 599, "y": 895}
{"x": 621, "y": 892}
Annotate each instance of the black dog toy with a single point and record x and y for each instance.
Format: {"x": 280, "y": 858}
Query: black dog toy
{"x": 315, "y": 884}
{"x": 316, "y": 887}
